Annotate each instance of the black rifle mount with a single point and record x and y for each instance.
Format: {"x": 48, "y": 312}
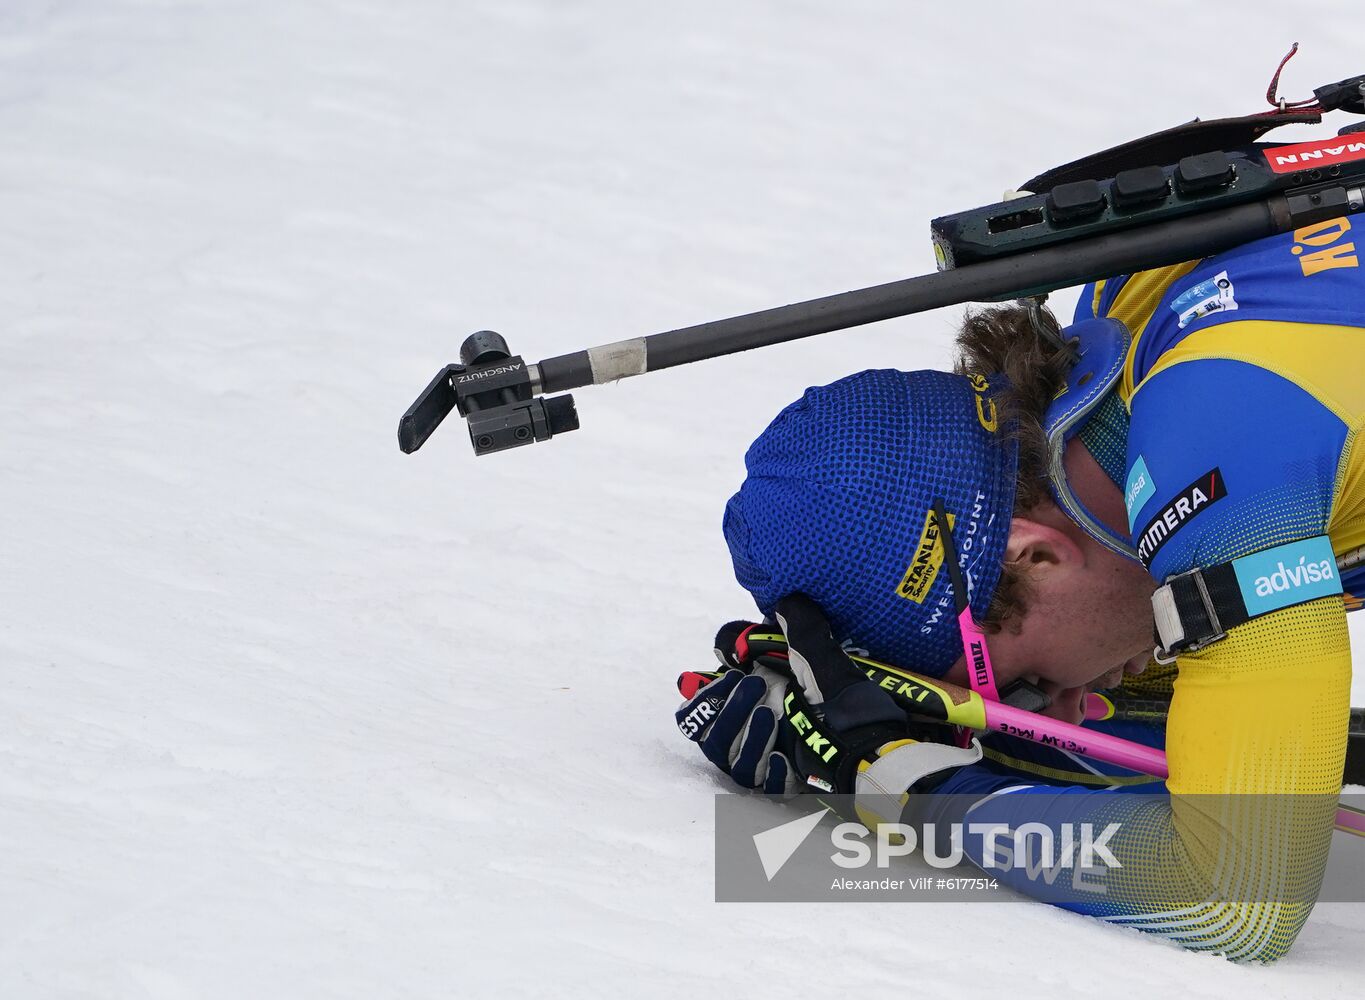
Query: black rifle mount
{"x": 495, "y": 393}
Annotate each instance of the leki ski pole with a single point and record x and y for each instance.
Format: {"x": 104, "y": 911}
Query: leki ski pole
{"x": 962, "y": 707}
{"x": 945, "y": 702}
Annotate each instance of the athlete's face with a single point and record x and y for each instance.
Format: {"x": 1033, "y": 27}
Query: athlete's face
{"x": 1097, "y": 625}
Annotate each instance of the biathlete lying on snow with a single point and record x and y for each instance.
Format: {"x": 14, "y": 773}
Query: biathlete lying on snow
{"x": 1186, "y": 455}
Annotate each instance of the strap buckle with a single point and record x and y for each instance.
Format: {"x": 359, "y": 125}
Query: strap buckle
{"x": 1177, "y": 633}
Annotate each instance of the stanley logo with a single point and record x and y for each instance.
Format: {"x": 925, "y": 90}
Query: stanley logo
{"x": 928, "y": 559}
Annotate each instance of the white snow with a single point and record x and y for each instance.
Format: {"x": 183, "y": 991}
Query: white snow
{"x": 285, "y": 713}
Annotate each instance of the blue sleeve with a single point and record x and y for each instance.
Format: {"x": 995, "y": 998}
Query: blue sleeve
{"x": 1226, "y": 458}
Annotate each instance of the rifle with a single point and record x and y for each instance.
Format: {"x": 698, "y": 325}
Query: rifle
{"x": 1188, "y": 192}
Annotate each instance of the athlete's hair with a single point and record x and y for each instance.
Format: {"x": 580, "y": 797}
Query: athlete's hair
{"x": 1002, "y": 340}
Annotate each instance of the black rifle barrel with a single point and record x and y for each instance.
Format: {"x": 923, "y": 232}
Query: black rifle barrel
{"x": 1027, "y": 273}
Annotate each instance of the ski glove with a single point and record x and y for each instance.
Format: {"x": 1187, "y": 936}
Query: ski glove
{"x": 733, "y": 717}
{"x": 793, "y": 713}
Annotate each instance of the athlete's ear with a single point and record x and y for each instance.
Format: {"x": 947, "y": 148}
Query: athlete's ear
{"x": 1037, "y": 546}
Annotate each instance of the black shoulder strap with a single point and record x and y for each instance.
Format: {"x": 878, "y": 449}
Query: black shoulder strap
{"x": 1170, "y": 146}
{"x": 1197, "y": 608}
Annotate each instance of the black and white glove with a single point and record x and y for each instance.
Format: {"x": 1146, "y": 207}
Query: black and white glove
{"x": 733, "y": 716}
{"x": 793, "y": 713}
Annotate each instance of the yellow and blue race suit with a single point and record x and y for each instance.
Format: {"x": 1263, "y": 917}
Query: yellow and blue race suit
{"x": 1235, "y": 429}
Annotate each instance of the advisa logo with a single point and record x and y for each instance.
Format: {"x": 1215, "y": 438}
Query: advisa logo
{"x": 1287, "y": 575}
{"x": 1294, "y": 575}
{"x": 925, "y": 565}
{"x": 1139, "y": 489}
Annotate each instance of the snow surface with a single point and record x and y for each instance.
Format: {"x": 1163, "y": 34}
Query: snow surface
{"x": 286, "y": 713}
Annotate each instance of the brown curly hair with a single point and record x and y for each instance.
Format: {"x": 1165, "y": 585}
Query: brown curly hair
{"x": 1002, "y": 340}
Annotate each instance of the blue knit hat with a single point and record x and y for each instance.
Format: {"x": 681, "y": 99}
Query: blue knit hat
{"x": 837, "y": 506}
